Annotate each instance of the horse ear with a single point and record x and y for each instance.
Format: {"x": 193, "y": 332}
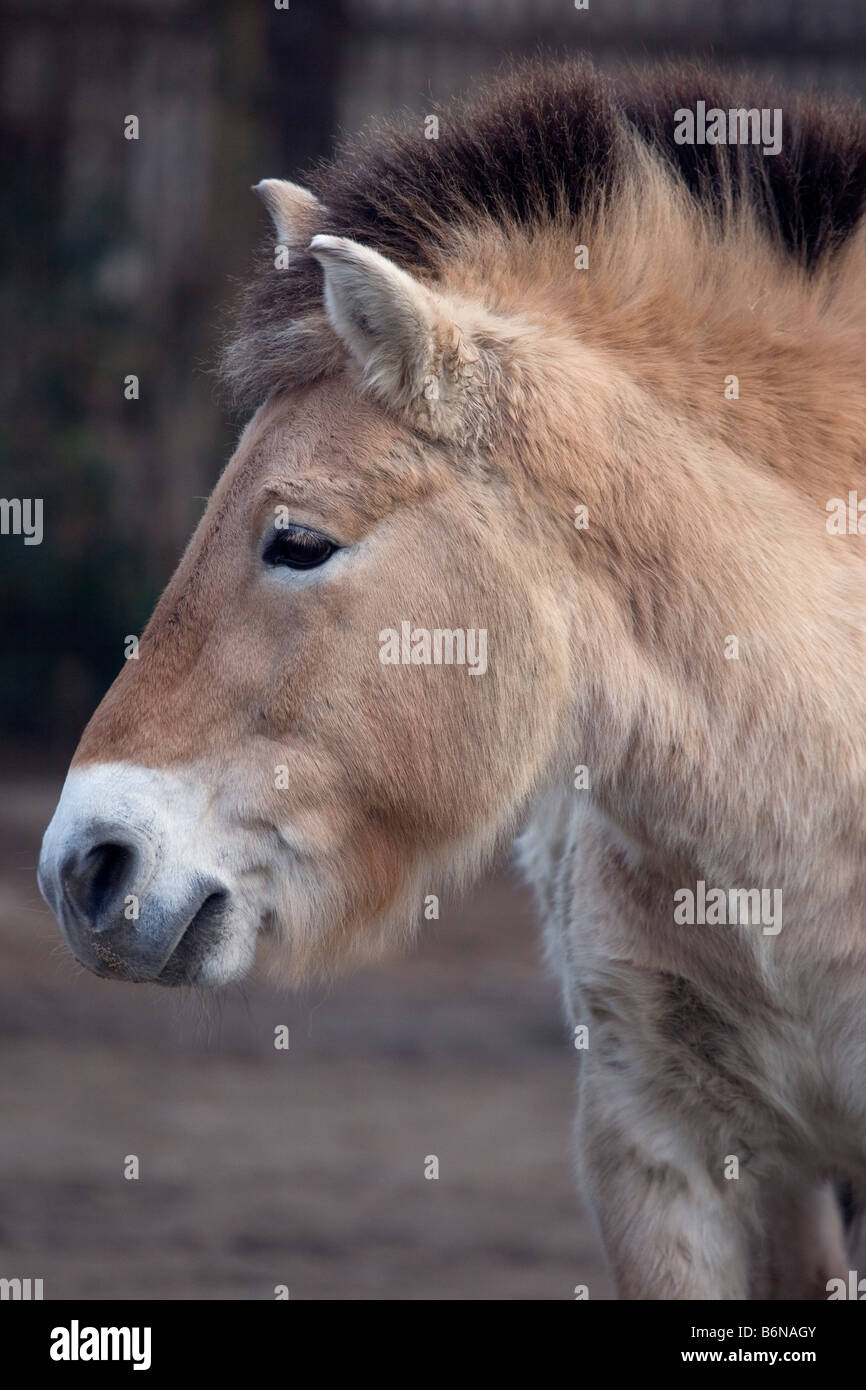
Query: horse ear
{"x": 294, "y": 210}
{"x": 412, "y": 353}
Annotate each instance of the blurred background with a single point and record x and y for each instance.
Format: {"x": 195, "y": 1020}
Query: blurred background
{"x": 258, "y": 1167}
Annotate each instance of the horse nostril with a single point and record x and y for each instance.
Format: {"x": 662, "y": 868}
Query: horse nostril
{"x": 95, "y": 881}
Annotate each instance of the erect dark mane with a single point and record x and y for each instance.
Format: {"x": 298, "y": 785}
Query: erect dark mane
{"x": 550, "y": 135}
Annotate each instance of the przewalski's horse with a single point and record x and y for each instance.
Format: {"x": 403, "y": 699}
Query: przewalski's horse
{"x": 556, "y": 378}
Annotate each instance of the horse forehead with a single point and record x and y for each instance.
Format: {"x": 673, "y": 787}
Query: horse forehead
{"x": 328, "y": 432}
{"x": 332, "y": 447}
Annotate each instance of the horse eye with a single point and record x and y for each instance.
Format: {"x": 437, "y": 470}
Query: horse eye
{"x": 298, "y": 548}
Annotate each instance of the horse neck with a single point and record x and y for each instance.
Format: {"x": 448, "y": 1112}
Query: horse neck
{"x": 717, "y": 690}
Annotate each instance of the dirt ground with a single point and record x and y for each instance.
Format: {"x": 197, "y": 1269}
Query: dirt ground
{"x": 304, "y": 1167}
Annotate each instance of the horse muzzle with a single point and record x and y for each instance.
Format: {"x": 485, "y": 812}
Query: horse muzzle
{"x": 131, "y": 870}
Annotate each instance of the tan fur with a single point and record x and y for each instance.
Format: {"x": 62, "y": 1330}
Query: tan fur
{"x": 706, "y": 518}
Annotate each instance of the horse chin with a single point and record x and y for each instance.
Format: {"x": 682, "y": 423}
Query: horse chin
{"x": 217, "y": 949}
